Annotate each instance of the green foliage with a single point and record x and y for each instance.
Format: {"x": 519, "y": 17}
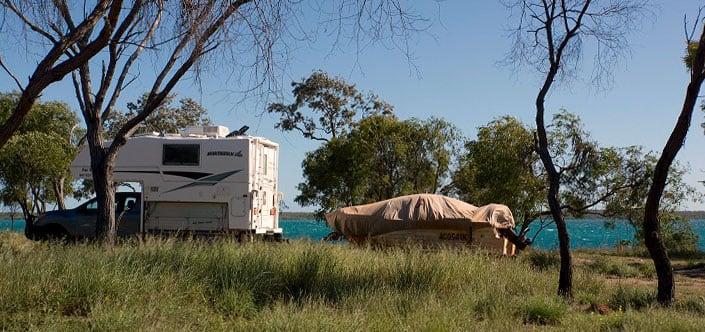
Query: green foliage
{"x": 166, "y": 118}
{"x": 500, "y": 166}
{"x": 626, "y": 298}
{"x": 542, "y": 311}
{"x": 380, "y": 158}
{"x": 690, "y": 51}
{"x": 542, "y": 260}
{"x": 335, "y": 104}
{"x": 34, "y": 162}
{"x": 605, "y": 266}
{"x": 678, "y": 237}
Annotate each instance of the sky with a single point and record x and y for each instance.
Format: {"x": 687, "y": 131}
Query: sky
{"x": 454, "y": 72}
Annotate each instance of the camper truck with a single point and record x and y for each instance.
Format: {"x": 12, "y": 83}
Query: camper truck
{"x": 206, "y": 180}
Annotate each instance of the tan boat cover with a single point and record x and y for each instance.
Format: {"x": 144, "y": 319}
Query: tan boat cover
{"x": 421, "y": 211}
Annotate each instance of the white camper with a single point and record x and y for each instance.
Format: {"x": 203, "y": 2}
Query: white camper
{"x": 205, "y": 180}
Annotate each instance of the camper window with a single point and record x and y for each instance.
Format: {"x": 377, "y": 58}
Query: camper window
{"x": 181, "y": 154}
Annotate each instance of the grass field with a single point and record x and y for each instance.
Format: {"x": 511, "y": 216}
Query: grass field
{"x": 164, "y": 285}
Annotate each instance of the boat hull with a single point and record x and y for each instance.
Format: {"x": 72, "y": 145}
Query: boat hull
{"x": 478, "y": 236}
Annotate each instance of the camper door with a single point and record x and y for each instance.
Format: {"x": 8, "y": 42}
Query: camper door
{"x": 266, "y": 182}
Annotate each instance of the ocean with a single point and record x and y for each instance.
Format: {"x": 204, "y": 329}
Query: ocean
{"x": 584, "y": 233}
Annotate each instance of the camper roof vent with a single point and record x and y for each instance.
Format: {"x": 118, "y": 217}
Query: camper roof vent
{"x": 208, "y": 131}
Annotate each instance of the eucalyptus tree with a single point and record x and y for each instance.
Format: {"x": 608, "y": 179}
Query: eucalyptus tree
{"x": 501, "y": 166}
{"x": 549, "y": 36}
{"x": 34, "y": 162}
{"x": 54, "y": 29}
{"x": 181, "y": 37}
{"x": 167, "y": 118}
{"x": 676, "y": 233}
{"x": 695, "y": 62}
{"x": 333, "y": 103}
{"x": 380, "y": 158}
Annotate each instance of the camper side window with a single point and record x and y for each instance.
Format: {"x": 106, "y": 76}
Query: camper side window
{"x": 181, "y": 154}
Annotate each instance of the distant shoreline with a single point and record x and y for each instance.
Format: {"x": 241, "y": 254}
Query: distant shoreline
{"x": 297, "y": 216}
{"x": 692, "y": 215}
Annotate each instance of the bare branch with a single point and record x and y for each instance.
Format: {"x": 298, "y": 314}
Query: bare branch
{"x": 114, "y": 55}
{"x": 63, "y": 8}
{"x": 29, "y": 23}
{"x": 77, "y": 91}
{"x": 9, "y": 72}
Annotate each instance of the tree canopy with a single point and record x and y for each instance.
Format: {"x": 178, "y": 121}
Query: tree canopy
{"x": 501, "y": 165}
{"x": 334, "y": 105}
{"x": 166, "y": 118}
{"x": 380, "y": 158}
{"x": 34, "y": 162}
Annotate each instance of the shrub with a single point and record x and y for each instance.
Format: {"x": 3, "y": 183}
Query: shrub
{"x": 544, "y": 312}
{"x": 631, "y": 298}
{"x": 678, "y": 237}
{"x": 692, "y": 304}
{"x": 543, "y": 260}
{"x": 603, "y": 265}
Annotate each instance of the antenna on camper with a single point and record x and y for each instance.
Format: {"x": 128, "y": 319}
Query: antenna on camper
{"x": 238, "y": 132}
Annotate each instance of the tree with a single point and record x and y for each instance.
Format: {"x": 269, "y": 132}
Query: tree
{"x": 34, "y": 163}
{"x": 380, "y": 158}
{"x": 695, "y": 62}
{"x": 501, "y": 166}
{"x": 629, "y": 204}
{"x": 185, "y": 34}
{"x": 179, "y": 36}
{"x": 549, "y": 37}
{"x": 335, "y": 105}
{"x": 167, "y": 118}
{"x": 59, "y": 33}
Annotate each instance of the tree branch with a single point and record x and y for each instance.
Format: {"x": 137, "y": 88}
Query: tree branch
{"x": 9, "y": 72}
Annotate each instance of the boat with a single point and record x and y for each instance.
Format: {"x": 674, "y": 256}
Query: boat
{"x": 428, "y": 220}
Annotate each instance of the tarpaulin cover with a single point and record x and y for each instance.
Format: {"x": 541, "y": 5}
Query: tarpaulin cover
{"x": 421, "y": 211}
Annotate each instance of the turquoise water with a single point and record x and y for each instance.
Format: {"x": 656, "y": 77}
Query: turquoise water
{"x": 584, "y": 233}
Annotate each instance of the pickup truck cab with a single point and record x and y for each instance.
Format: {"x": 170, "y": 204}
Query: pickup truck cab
{"x": 80, "y": 222}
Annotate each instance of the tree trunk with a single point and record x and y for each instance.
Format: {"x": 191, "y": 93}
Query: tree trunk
{"x": 102, "y": 170}
{"x": 652, "y": 225}
{"x": 59, "y": 193}
{"x": 565, "y": 281}
{"x": 105, "y": 194}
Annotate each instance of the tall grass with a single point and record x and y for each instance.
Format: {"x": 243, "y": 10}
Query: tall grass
{"x": 164, "y": 284}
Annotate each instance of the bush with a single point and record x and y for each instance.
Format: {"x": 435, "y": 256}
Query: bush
{"x": 543, "y": 260}
{"x": 603, "y": 265}
{"x": 544, "y": 312}
{"x": 631, "y": 298}
{"x": 678, "y": 237}
{"x": 692, "y": 304}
